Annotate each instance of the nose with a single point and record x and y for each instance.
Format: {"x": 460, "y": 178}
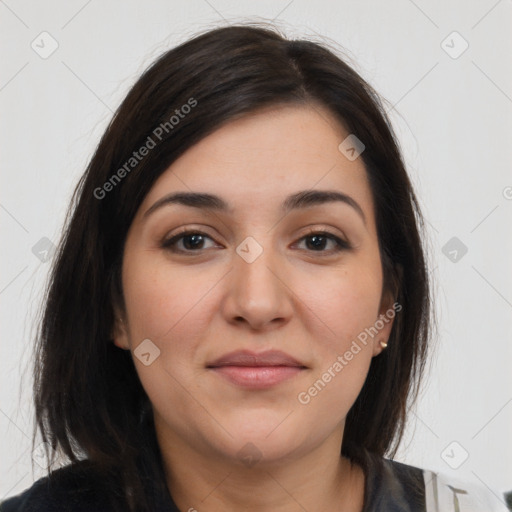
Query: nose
{"x": 257, "y": 294}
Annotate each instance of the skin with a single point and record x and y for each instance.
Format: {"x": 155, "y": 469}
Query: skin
{"x": 308, "y": 302}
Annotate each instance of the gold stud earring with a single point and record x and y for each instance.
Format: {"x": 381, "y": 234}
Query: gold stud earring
{"x": 383, "y": 344}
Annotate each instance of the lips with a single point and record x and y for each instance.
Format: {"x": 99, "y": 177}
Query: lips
{"x": 250, "y": 370}
{"x": 248, "y": 358}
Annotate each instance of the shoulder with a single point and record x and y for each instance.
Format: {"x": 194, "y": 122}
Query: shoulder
{"x": 393, "y": 486}
{"x": 445, "y": 492}
{"x": 434, "y": 491}
{"x": 76, "y": 487}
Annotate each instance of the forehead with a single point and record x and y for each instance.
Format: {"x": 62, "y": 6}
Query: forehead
{"x": 255, "y": 161}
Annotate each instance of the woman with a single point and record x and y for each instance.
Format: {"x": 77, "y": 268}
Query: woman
{"x": 239, "y": 313}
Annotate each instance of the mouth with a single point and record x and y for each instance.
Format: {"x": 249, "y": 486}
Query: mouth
{"x": 251, "y": 370}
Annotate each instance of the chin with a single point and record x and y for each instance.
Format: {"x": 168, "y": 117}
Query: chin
{"x": 263, "y": 438}
{"x": 262, "y": 452}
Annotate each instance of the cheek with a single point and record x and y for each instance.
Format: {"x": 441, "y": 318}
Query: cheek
{"x": 346, "y": 307}
{"x": 170, "y": 305}
{"x": 164, "y": 305}
{"x": 346, "y": 303}
{"x": 159, "y": 297}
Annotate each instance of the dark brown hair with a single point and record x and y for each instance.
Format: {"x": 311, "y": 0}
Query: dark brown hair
{"x": 88, "y": 398}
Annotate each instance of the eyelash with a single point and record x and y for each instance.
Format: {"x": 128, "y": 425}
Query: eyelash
{"x": 171, "y": 242}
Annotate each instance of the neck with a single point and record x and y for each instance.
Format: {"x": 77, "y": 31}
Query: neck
{"x": 318, "y": 480}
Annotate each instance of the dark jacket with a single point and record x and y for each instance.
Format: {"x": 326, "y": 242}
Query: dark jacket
{"x": 390, "y": 487}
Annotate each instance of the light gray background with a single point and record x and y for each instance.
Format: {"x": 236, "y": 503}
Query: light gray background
{"x": 453, "y": 117}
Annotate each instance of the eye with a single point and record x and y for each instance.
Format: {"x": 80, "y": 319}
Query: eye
{"x": 194, "y": 241}
{"x": 316, "y": 240}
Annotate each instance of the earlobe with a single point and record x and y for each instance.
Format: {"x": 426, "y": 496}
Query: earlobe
{"x": 379, "y": 346}
{"x": 119, "y": 335}
{"x": 120, "y": 344}
{"x": 387, "y": 313}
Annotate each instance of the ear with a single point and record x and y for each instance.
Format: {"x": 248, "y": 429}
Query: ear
{"x": 384, "y": 323}
{"x": 119, "y": 334}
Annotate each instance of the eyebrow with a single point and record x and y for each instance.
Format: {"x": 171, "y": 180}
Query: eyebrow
{"x": 303, "y": 199}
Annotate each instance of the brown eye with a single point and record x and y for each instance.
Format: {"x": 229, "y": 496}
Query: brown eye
{"x": 317, "y": 240}
{"x": 193, "y": 241}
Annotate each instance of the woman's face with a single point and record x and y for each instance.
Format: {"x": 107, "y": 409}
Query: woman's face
{"x": 252, "y": 276}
